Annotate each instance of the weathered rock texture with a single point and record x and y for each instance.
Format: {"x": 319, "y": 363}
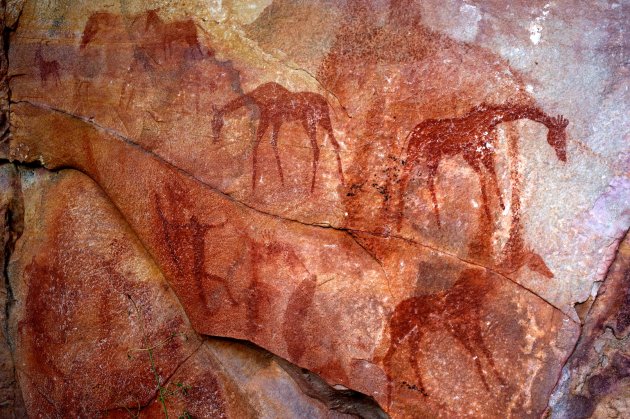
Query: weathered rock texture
{"x": 11, "y": 219}
{"x": 596, "y": 380}
{"x": 407, "y": 203}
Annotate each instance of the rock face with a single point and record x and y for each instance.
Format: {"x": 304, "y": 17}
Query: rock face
{"x": 405, "y": 208}
{"x": 595, "y": 380}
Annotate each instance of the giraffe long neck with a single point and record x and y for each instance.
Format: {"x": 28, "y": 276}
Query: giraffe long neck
{"x": 235, "y": 104}
{"x": 514, "y": 113}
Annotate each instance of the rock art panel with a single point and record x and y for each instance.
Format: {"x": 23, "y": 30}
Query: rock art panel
{"x": 108, "y": 338}
{"x": 430, "y": 212}
{"x": 262, "y": 258}
{"x": 344, "y": 353}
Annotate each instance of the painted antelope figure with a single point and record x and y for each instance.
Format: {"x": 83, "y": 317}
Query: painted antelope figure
{"x": 472, "y": 137}
{"x": 278, "y": 105}
{"x": 179, "y": 31}
{"x": 456, "y": 311}
{"x": 47, "y": 68}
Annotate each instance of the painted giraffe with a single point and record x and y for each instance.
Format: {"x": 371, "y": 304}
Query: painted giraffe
{"x": 278, "y": 105}
{"x": 456, "y": 311}
{"x": 472, "y": 137}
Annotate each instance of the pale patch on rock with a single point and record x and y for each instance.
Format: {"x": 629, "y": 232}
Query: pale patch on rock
{"x": 217, "y": 12}
{"x": 457, "y": 19}
{"x": 535, "y": 32}
{"x": 536, "y": 27}
{"x": 246, "y": 11}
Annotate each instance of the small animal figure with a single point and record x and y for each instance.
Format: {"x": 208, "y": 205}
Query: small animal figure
{"x": 47, "y": 68}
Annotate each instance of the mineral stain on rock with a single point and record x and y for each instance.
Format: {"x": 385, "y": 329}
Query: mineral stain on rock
{"x": 296, "y": 315}
{"x": 83, "y": 326}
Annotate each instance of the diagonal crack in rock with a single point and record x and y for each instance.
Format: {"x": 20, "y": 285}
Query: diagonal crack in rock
{"x": 346, "y": 230}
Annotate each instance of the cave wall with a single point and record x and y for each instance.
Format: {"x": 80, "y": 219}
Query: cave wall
{"x": 314, "y": 209}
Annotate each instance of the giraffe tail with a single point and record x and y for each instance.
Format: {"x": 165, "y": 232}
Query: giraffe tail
{"x": 405, "y": 146}
{"x": 407, "y": 166}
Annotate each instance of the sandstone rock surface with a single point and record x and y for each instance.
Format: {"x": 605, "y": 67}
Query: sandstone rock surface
{"x": 414, "y": 202}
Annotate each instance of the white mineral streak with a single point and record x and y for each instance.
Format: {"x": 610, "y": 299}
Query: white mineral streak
{"x": 536, "y": 332}
{"x": 469, "y": 20}
{"x": 216, "y": 10}
{"x": 246, "y": 11}
{"x": 536, "y": 27}
{"x": 609, "y": 218}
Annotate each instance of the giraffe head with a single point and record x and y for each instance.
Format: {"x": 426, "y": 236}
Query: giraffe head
{"x": 217, "y": 123}
{"x": 557, "y": 136}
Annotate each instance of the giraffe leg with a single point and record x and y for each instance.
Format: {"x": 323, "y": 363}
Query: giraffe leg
{"x": 414, "y": 348}
{"x": 131, "y": 98}
{"x": 468, "y": 345}
{"x": 275, "y": 129}
{"x": 197, "y": 100}
{"x": 484, "y": 193}
{"x": 123, "y": 95}
{"x": 81, "y": 94}
{"x": 325, "y": 122}
{"x": 488, "y": 162}
{"x": 260, "y": 131}
{"x": 387, "y": 359}
{"x": 433, "y": 166}
{"x": 486, "y": 352}
{"x": 311, "y": 130}
{"x": 396, "y": 339}
{"x": 474, "y": 335}
{"x": 473, "y": 161}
